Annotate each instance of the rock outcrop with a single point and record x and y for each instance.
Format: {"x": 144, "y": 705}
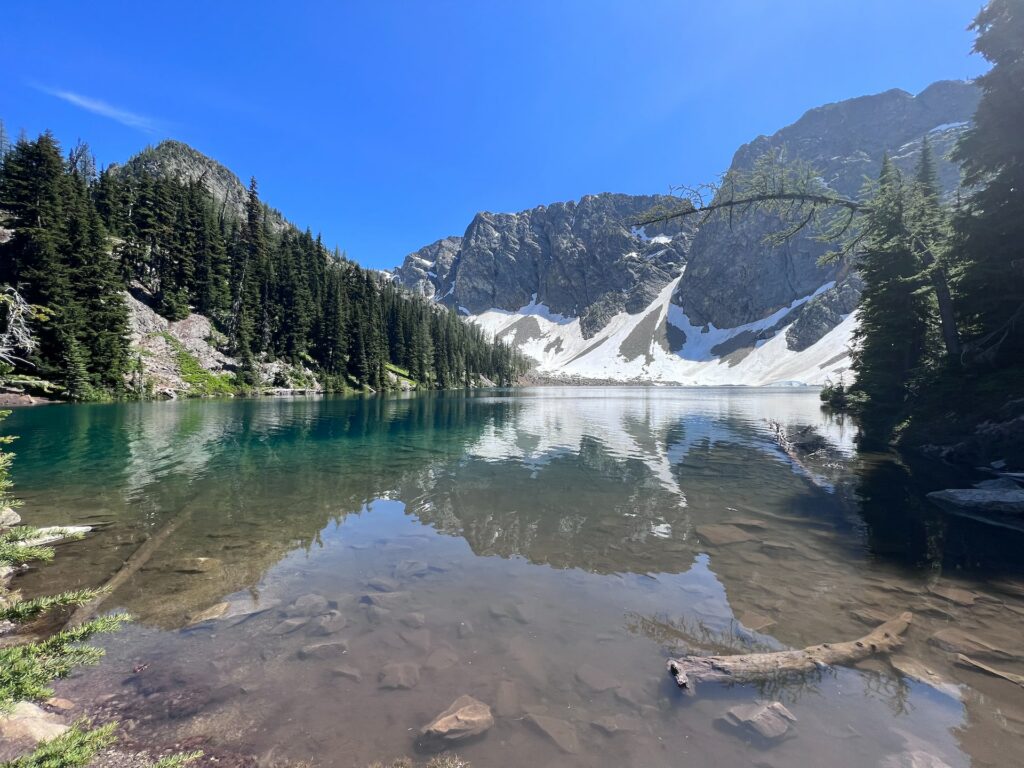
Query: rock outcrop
{"x": 570, "y": 257}
{"x": 178, "y": 160}
{"x": 735, "y": 277}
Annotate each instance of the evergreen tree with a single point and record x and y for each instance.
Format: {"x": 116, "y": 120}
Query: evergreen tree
{"x": 890, "y": 339}
{"x": 990, "y": 229}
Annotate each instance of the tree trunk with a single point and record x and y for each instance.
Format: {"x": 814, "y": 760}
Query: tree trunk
{"x": 759, "y": 667}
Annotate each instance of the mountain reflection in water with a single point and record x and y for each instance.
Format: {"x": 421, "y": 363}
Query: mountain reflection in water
{"x": 567, "y": 528}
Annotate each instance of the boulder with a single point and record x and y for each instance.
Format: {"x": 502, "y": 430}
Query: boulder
{"x": 465, "y": 718}
{"x": 9, "y": 518}
{"x": 25, "y": 726}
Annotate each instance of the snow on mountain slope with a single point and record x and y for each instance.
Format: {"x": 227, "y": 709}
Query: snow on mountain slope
{"x": 659, "y": 344}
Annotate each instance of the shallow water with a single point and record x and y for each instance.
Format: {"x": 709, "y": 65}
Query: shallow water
{"x": 543, "y": 550}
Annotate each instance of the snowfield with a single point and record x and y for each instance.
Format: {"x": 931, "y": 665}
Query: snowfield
{"x": 645, "y": 347}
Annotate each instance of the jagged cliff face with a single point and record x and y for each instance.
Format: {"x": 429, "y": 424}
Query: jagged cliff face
{"x": 582, "y": 259}
{"x": 580, "y": 289}
{"x": 846, "y": 142}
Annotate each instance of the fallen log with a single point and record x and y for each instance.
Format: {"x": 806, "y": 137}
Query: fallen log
{"x": 759, "y": 667}
{"x": 138, "y": 558}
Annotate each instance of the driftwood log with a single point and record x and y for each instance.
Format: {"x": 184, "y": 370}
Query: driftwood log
{"x": 129, "y": 568}
{"x": 759, "y": 667}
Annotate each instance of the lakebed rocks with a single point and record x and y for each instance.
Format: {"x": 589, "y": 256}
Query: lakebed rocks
{"x": 770, "y": 721}
{"x": 464, "y": 719}
{"x": 25, "y": 726}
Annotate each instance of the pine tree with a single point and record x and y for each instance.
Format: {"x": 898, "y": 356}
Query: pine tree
{"x": 34, "y": 190}
{"x": 890, "y": 339}
{"x": 990, "y": 230}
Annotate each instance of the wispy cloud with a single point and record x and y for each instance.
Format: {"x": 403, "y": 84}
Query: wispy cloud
{"x": 104, "y": 109}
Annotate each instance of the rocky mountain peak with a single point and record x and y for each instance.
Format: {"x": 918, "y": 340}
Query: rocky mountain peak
{"x": 175, "y": 159}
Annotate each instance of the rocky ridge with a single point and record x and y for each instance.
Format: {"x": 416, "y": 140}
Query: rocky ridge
{"x": 582, "y": 290}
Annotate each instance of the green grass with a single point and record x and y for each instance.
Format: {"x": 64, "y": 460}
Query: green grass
{"x": 74, "y": 748}
{"x": 401, "y": 373}
{"x": 201, "y": 382}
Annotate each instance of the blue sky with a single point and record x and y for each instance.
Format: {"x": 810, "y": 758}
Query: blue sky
{"x": 387, "y": 125}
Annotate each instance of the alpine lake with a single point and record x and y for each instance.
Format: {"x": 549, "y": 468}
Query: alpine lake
{"x": 340, "y": 570}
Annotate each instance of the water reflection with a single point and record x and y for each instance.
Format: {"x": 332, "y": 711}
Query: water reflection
{"x": 613, "y": 526}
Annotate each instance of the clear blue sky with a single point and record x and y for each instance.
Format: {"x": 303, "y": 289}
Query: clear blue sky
{"x": 387, "y": 125}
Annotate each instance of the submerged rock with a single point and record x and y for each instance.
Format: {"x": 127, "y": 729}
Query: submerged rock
{"x": 402, "y": 675}
{"x": 322, "y": 651}
{"x": 417, "y": 638}
{"x": 954, "y": 594}
{"x": 958, "y": 641}
{"x": 408, "y": 569}
{"x": 561, "y": 732}
{"x": 915, "y": 670}
{"x": 210, "y": 614}
{"x": 999, "y": 501}
{"x": 770, "y": 721}
{"x": 723, "y": 533}
{"x": 507, "y": 700}
{"x": 916, "y": 758}
{"x": 309, "y": 605}
{"x": 612, "y": 724}
{"x": 595, "y": 678}
{"x": 347, "y": 671}
{"x": 383, "y": 584}
{"x": 289, "y": 625}
{"x": 441, "y": 658}
{"x": 328, "y": 624}
{"x": 465, "y": 718}
{"x": 196, "y": 565}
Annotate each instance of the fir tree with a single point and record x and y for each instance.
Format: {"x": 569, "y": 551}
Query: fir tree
{"x": 990, "y": 229}
{"x": 890, "y": 339}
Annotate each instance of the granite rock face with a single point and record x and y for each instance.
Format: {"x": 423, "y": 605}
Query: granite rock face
{"x": 733, "y": 277}
{"x": 584, "y": 258}
{"x": 587, "y": 260}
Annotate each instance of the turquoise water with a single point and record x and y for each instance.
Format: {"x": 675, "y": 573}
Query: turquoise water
{"x": 544, "y": 550}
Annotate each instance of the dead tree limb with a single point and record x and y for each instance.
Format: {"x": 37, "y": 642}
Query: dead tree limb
{"x": 128, "y": 569}
{"x": 758, "y": 667}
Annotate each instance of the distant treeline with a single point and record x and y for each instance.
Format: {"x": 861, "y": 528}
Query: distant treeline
{"x": 81, "y": 238}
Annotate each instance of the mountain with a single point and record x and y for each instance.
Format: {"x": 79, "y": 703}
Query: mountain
{"x": 177, "y": 160}
{"x": 586, "y": 294}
